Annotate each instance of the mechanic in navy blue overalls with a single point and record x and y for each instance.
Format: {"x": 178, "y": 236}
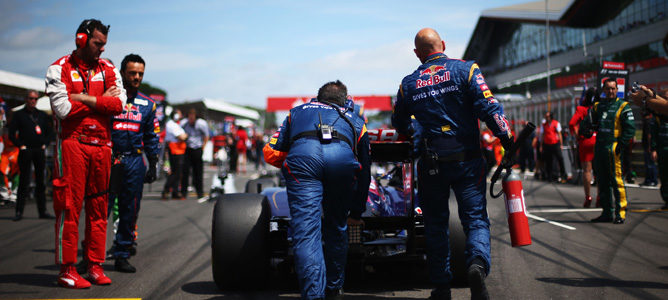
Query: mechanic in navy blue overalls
{"x": 322, "y": 149}
{"x": 447, "y": 97}
{"x": 134, "y": 132}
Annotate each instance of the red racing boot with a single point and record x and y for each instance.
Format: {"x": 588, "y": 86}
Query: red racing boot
{"x": 70, "y": 278}
{"x": 587, "y": 202}
{"x": 96, "y": 274}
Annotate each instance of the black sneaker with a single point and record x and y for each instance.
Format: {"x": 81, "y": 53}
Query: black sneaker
{"x": 440, "y": 293}
{"x": 122, "y": 265}
{"x": 476, "y": 276}
{"x": 334, "y": 294}
{"x": 618, "y": 221}
{"x": 18, "y": 217}
{"x": 601, "y": 219}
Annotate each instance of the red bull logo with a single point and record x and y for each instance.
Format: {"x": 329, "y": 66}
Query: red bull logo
{"x": 432, "y": 70}
{"x": 434, "y": 78}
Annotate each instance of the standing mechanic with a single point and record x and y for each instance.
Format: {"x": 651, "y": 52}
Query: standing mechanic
{"x": 614, "y": 119}
{"x": 85, "y": 91}
{"x": 30, "y": 130}
{"x": 134, "y": 132}
{"x": 447, "y": 97}
{"x": 322, "y": 148}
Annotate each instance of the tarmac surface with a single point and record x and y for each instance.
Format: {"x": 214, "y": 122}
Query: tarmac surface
{"x": 570, "y": 258}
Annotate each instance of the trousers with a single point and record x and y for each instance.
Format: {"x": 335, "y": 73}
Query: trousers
{"x": 81, "y": 176}
{"x": 34, "y": 156}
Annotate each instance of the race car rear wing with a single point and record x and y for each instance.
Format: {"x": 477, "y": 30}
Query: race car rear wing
{"x": 387, "y": 145}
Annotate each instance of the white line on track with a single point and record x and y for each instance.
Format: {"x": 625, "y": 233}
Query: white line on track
{"x": 563, "y": 210}
{"x": 550, "y": 222}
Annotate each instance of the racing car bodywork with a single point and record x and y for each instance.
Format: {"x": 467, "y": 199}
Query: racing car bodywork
{"x": 251, "y": 230}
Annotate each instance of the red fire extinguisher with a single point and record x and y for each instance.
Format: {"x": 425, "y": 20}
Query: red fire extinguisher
{"x": 518, "y": 223}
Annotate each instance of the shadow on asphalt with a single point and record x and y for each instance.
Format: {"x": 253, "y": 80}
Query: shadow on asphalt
{"x": 42, "y": 280}
{"x": 44, "y": 250}
{"x": 603, "y": 282}
{"x": 381, "y": 280}
{"x": 53, "y": 267}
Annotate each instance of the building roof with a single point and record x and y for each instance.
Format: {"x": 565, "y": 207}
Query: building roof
{"x": 229, "y": 108}
{"x": 21, "y": 81}
{"x": 531, "y": 11}
{"x": 495, "y": 26}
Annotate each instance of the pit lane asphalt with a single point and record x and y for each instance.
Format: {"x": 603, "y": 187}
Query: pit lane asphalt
{"x": 593, "y": 261}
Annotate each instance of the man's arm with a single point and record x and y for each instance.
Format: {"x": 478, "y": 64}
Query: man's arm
{"x": 150, "y": 137}
{"x": 358, "y": 206}
{"x": 628, "y": 126}
{"x": 108, "y": 104}
{"x": 652, "y": 100}
{"x": 47, "y": 129}
{"x": 204, "y": 128}
{"x": 61, "y": 104}
{"x": 13, "y": 131}
{"x": 487, "y": 108}
{"x": 401, "y": 116}
{"x": 277, "y": 149}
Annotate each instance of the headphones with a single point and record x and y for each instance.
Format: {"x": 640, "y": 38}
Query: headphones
{"x": 82, "y": 33}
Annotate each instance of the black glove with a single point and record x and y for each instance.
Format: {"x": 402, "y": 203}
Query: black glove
{"x": 152, "y": 172}
{"x": 507, "y": 143}
{"x": 619, "y": 148}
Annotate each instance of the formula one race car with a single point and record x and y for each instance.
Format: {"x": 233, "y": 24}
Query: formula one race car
{"x": 251, "y": 232}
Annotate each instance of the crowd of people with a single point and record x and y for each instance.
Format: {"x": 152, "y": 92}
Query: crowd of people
{"x": 107, "y": 126}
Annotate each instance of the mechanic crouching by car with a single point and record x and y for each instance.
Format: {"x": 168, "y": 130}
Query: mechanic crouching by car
{"x": 322, "y": 148}
{"x": 447, "y": 97}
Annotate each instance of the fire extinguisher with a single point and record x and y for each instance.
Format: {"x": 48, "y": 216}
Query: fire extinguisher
{"x": 518, "y": 224}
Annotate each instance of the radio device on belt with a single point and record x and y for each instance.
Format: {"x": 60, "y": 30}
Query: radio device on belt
{"x": 325, "y": 130}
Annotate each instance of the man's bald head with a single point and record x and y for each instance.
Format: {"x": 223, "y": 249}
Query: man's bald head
{"x": 427, "y": 41}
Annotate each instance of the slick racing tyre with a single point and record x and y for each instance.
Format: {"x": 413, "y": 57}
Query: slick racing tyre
{"x": 239, "y": 241}
{"x": 256, "y": 186}
{"x": 457, "y": 246}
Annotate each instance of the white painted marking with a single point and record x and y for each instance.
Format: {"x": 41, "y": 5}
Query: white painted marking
{"x": 550, "y": 222}
{"x": 565, "y": 210}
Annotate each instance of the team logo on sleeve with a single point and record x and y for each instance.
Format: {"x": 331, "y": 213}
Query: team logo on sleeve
{"x": 501, "y": 122}
{"x": 479, "y": 79}
{"x": 487, "y": 94}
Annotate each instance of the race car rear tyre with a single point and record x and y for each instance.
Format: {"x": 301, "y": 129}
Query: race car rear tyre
{"x": 256, "y": 186}
{"x": 457, "y": 246}
{"x": 239, "y": 241}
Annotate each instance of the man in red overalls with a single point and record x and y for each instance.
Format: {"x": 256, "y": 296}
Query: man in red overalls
{"x": 85, "y": 91}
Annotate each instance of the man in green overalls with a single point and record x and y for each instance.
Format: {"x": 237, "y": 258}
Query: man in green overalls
{"x": 615, "y": 122}
{"x": 659, "y": 146}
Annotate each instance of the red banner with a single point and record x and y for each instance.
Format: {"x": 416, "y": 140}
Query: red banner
{"x": 383, "y": 103}
{"x": 575, "y": 79}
